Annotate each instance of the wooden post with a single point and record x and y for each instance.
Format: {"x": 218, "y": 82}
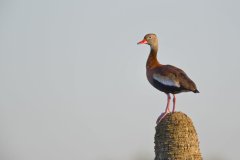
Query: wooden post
{"x": 176, "y": 138}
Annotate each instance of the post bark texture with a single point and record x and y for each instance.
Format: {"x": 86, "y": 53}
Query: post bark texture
{"x": 176, "y": 138}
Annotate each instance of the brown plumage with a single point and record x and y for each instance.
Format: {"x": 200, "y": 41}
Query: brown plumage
{"x": 166, "y": 78}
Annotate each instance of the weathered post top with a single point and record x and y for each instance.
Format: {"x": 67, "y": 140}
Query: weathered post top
{"x": 176, "y": 138}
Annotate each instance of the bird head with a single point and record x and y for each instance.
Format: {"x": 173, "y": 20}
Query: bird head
{"x": 150, "y": 39}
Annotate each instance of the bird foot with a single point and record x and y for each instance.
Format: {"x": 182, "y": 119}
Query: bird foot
{"x": 162, "y": 116}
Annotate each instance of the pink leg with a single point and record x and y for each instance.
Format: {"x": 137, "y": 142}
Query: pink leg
{"x": 174, "y": 102}
{"x": 167, "y": 110}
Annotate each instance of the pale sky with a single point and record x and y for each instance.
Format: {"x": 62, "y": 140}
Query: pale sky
{"x": 73, "y": 83}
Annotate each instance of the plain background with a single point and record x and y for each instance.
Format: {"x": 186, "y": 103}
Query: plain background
{"x": 73, "y": 83}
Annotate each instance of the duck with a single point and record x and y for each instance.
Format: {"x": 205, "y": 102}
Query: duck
{"x": 165, "y": 78}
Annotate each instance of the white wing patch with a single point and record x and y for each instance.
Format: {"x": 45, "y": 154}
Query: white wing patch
{"x": 166, "y": 80}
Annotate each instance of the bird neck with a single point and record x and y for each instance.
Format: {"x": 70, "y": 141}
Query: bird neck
{"x": 152, "y": 58}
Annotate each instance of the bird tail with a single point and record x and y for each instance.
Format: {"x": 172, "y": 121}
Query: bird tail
{"x": 196, "y": 91}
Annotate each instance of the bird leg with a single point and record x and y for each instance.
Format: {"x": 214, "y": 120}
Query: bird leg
{"x": 167, "y": 110}
{"x": 174, "y": 102}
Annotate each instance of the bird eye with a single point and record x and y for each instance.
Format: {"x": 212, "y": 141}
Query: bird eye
{"x": 150, "y": 37}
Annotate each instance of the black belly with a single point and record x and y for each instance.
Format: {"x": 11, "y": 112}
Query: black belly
{"x": 168, "y": 89}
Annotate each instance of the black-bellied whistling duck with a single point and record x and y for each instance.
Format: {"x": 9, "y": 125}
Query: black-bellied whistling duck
{"x": 166, "y": 78}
